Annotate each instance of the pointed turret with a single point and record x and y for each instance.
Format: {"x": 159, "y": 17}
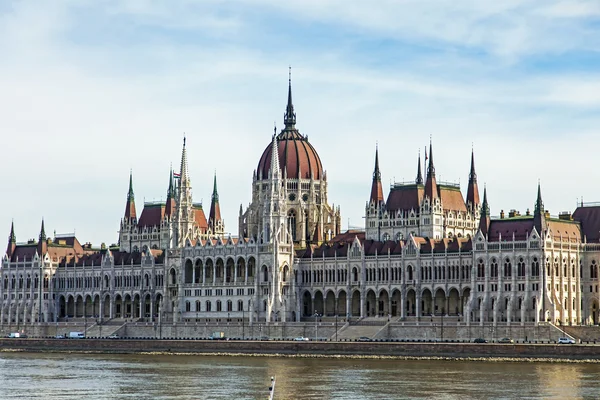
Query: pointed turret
{"x": 12, "y": 241}
{"x": 289, "y": 117}
{"x": 376, "y": 188}
{"x": 214, "y": 218}
{"x": 183, "y": 170}
{"x": 275, "y": 170}
{"x": 539, "y": 215}
{"x": 130, "y": 215}
{"x": 484, "y": 220}
{"x": 419, "y": 180}
{"x": 42, "y": 246}
{"x": 170, "y": 206}
{"x": 431, "y": 190}
{"x": 472, "y": 190}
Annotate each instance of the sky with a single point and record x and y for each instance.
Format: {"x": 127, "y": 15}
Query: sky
{"x": 91, "y": 90}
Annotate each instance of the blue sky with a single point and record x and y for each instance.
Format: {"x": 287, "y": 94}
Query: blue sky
{"x": 91, "y": 90}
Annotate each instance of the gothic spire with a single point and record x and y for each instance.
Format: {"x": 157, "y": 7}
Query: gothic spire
{"x": 184, "y": 177}
{"x": 484, "y": 220}
{"x": 539, "y": 215}
{"x": 376, "y": 187}
{"x": 12, "y": 238}
{"x": 431, "y": 190}
{"x": 12, "y": 241}
{"x": 289, "y": 118}
{"x": 419, "y": 180}
{"x": 42, "y": 232}
{"x": 170, "y": 206}
{"x": 214, "y": 218}
{"x": 472, "y": 190}
{"x": 130, "y": 206}
{"x": 275, "y": 171}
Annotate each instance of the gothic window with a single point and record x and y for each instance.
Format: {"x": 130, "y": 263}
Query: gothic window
{"x": 208, "y": 306}
{"x": 521, "y": 268}
{"x": 593, "y": 270}
{"x": 535, "y": 267}
{"x": 219, "y": 306}
{"x": 480, "y": 269}
{"x": 292, "y": 223}
{"x": 494, "y": 268}
{"x": 410, "y": 273}
{"x": 240, "y": 305}
{"x": 188, "y": 306}
{"x": 198, "y": 305}
{"x": 507, "y": 268}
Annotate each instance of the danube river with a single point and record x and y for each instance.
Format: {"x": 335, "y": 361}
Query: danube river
{"x": 84, "y": 376}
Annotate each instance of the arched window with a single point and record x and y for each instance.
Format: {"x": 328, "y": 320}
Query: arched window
{"x": 292, "y": 224}
{"x": 521, "y": 269}
{"x": 208, "y": 306}
{"x": 494, "y": 268}
{"x": 198, "y": 305}
{"x": 240, "y": 305}
{"x": 410, "y": 273}
{"x": 219, "y": 308}
{"x": 188, "y": 306}
{"x": 535, "y": 267}
{"x": 229, "y": 305}
{"x": 265, "y": 273}
{"x": 480, "y": 269}
{"x": 507, "y": 268}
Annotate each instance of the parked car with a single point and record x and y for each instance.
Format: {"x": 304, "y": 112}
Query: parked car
{"x": 59, "y": 337}
{"x": 363, "y": 339}
{"x": 301, "y": 339}
{"x": 114, "y": 336}
{"x": 565, "y": 340}
{"x": 506, "y": 340}
{"x": 480, "y": 340}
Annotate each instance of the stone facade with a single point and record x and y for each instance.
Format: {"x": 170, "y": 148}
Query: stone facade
{"x": 426, "y": 252}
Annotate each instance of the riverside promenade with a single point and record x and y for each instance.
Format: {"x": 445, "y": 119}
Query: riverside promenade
{"x": 521, "y": 351}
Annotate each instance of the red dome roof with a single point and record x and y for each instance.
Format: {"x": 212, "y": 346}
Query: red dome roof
{"x": 295, "y": 152}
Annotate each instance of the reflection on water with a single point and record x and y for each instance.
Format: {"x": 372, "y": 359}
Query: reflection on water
{"x": 76, "y": 376}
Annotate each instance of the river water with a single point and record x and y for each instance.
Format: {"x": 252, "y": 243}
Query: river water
{"x": 85, "y": 376}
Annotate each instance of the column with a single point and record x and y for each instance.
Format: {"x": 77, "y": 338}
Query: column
{"x": 418, "y": 306}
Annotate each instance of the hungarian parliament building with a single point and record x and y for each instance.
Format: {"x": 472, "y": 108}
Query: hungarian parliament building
{"x": 425, "y": 250}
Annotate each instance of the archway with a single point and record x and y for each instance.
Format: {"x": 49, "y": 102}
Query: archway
{"x": 188, "y": 273}
{"x": 70, "y": 307}
{"x": 219, "y": 271}
{"x": 341, "y": 304}
{"x": 329, "y": 303}
{"x": 426, "y": 302}
{"x": 307, "y": 308}
{"x": 229, "y": 270}
{"x": 396, "y": 301}
{"x": 106, "y": 307}
{"x": 319, "y": 306}
{"x": 594, "y": 312}
{"x": 440, "y": 302}
{"x": 136, "y": 306}
{"x": 355, "y": 307}
{"x": 411, "y": 302}
{"x": 454, "y": 306}
{"x": 62, "y": 307}
{"x": 88, "y": 307}
{"x": 198, "y": 271}
{"x": 118, "y": 306}
{"x": 383, "y": 306}
{"x": 371, "y": 303}
{"x": 127, "y": 306}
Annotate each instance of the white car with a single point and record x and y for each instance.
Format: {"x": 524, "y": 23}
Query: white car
{"x": 301, "y": 339}
{"x": 565, "y": 340}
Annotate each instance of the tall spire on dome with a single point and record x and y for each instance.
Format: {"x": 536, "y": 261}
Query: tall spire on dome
{"x": 376, "y": 187}
{"x": 42, "y": 231}
{"x": 431, "y": 184}
{"x": 419, "y": 180}
{"x": 472, "y": 190}
{"x": 130, "y": 213}
{"x": 289, "y": 118}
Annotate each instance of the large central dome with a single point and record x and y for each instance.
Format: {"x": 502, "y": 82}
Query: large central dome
{"x": 297, "y": 157}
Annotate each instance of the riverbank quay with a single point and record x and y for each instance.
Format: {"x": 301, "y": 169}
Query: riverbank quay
{"x": 527, "y": 351}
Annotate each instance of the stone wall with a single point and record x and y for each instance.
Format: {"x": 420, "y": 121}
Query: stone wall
{"x": 308, "y": 348}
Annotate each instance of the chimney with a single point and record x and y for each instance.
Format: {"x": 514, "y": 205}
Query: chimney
{"x": 501, "y": 214}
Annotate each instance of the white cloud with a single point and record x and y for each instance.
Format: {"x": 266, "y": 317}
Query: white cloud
{"x": 79, "y": 112}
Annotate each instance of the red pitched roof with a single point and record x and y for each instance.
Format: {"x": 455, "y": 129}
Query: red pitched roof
{"x": 504, "y": 228}
{"x": 405, "y": 197}
{"x": 589, "y": 218}
{"x": 152, "y": 215}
